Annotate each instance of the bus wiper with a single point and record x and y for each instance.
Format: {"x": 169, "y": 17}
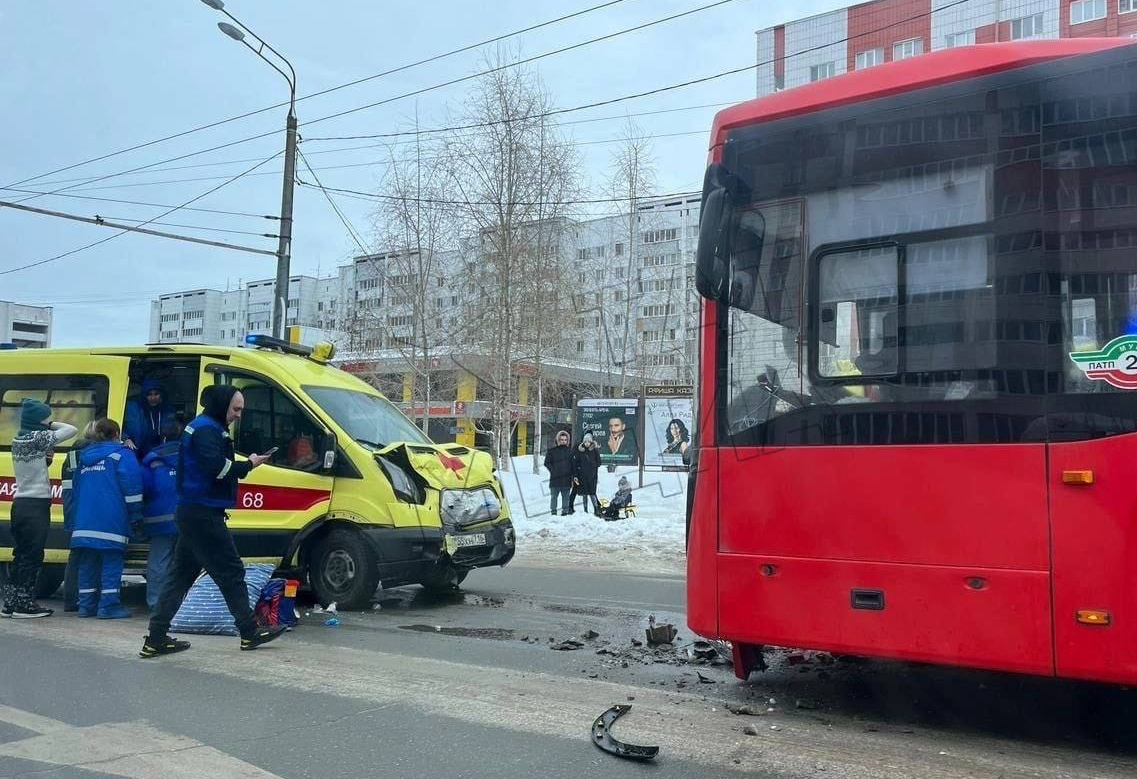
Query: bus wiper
{"x": 372, "y": 444}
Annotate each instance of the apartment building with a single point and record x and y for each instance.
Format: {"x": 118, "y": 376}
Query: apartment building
{"x": 24, "y": 326}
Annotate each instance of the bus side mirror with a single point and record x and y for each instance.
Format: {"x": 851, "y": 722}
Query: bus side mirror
{"x": 713, "y": 255}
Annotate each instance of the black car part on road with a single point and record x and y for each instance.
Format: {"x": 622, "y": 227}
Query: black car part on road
{"x": 602, "y": 737}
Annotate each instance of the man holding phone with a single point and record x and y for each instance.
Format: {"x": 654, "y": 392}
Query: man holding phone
{"x": 207, "y": 486}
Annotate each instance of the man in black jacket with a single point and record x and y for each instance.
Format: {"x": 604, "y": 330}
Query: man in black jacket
{"x": 207, "y": 486}
{"x": 559, "y": 464}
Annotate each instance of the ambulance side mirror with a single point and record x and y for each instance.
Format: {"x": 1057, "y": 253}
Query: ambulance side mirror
{"x": 330, "y": 447}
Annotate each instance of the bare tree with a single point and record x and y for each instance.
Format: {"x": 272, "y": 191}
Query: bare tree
{"x": 513, "y": 173}
{"x": 400, "y": 310}
{"x": 632, "y": 179}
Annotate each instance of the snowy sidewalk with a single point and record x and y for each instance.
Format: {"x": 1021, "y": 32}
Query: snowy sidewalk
{"x": 652, "y": 541}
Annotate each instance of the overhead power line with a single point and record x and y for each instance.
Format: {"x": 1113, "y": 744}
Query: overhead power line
{"x": 134, "y": 228}
{"x": 335, "y": 207}
{"x": 413, "y": 93}
{"x": 329, "y": 90}
{"x": 435, "y": 201}
{"x": 105, "y": 222}
{"x": 144, "y": 203}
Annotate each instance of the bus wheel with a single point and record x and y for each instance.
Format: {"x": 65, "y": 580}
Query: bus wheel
{"x": 443, "y": 579}
{"x": 48, "y": 581}
{"x": 343, "y": 570}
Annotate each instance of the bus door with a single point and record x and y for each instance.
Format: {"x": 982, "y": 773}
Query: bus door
{"x": 1092, "y": 426}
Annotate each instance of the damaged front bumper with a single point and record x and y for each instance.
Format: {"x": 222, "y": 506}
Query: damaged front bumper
{"x": 480, "y": 546}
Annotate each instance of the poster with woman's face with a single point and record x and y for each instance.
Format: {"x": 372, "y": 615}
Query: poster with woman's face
{"x": 669, "y": 423}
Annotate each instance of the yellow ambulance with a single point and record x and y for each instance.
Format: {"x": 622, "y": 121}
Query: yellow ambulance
{"x": 355, "y": 495}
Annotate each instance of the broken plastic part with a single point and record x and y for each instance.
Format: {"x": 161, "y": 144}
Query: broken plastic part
{"x": 602, "y": 737}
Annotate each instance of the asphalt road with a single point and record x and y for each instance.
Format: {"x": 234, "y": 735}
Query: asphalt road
{"x": 469, "y": 686}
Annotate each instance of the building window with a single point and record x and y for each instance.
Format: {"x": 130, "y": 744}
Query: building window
{"x": 620, "y": 246}
{"x": 1086, "y": 11}
{"x": 1127, "y": 7}
{"x": 909, "y": 48}
{"x": 966, "y": 38}
{"x": 1026, "y": 27}
{"x": 779, "y": 82}
{"x": 579, "y": 347}
{"x": 866, "y": 59}
{"x": 824, "y": 70}
{"x": 656, "y": 236}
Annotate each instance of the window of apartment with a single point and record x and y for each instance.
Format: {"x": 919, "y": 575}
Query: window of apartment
{"x": 965, "y": 38}
{"x": 1086, "y": 11}
{"x": 619, "y": 273}
{"x": 399, "y": 321}
{"x": 442, "y": 281}
{"x": 779, "y": 81}
{"x": 579, "y": 346}
{"x": 658, "y": 310}
{"x": 824, "y": 70}
{"x": 453, "y": 300}
{"x": 909, "y": 48}
{"x": 618, "y": 319}
{"x": 320, "y": 306}
{"x": 193, "y": 314}
{"x": 1026, "y": 27}
{"x": 866, "y": 59}
{"x": 1127, "y": 7}
{"x": 584, "y": 254}
{"x": 656, "y": 236}
{"x": 619, "y": 295}
{"x": 620, "y": 246}
{"x": 192, "y": 331}
{"x": 293, "y": 302}
{"x": 368, "y": 283}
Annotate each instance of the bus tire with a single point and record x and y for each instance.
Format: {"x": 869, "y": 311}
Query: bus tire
{"x": 343, "y": 569}
{"x": 47, "y": 583}
{"x": 443, "y": 579}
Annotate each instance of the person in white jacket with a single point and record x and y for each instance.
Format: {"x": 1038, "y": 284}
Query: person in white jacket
{"x": 32, "y": 451}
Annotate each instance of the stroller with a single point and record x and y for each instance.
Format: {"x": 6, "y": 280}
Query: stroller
{"x": 620, "y": 507}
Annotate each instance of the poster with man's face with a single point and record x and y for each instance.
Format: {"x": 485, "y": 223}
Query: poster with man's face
{"x": 612, "y": 423}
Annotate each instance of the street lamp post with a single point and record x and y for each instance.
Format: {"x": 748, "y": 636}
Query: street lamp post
{"x": 284, "y": 247}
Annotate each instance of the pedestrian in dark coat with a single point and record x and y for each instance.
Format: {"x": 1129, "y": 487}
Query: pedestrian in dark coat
{"x": 586, "y": 462}
{"x": 559, "y": 464}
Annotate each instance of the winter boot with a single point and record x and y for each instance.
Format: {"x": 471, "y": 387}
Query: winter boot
{"x": 114, "y": 611}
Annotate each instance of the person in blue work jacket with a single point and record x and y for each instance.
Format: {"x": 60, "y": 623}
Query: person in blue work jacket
{"x": 70, "y": 465}
{"x": 160, "y": 498}
{"x": 145, "y": 415}
{"x": 207, "y": 485}
{"x": 108, "y": 504}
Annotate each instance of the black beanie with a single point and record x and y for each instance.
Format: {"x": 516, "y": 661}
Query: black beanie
{"x": 217, "y": 401}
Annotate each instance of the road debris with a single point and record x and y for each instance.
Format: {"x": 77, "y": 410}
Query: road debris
{"x": 568, "y": 645}
{"x": 660, "y": 634}
{"x": 602, "y": 737}
{"x": 703, "y": 679}
{"x": 590, "y": 635}
{"x": 750, "y": 730}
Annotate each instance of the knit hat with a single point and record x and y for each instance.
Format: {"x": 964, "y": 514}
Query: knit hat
{"x": 623, "y": 483}
{"x": 588, "y": 438}
{"x": 32, "y": 414}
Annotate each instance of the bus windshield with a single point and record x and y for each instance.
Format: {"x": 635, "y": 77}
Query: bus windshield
{"x": 921, "y": 269}
{"x": 369, "y": 419}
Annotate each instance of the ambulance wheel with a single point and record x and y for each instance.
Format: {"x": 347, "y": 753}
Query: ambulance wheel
{"x": 48, "y": 581}
{"x": 343, "y": 570}
{"x": 443, "y": 579}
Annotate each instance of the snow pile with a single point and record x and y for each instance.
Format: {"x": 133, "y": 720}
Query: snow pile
{"x": 652, "y": 540}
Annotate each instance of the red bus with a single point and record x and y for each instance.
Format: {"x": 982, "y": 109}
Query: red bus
{"x": 917, "y": 365}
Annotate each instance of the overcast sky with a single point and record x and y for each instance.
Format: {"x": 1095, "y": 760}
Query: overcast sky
{"x": 81, "y": 79}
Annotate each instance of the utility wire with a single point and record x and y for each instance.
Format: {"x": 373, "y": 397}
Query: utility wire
{"x": 378, "y": 163}
{"x": 351, "y": 230}
{"x": 124, "y": 231}
{"x": 424, "y": 90}
{"x": 143, "y": 203}
{"x": 106, "y": 222}
{"x": 336, "y": 88}
{"x": 433, "y": 201}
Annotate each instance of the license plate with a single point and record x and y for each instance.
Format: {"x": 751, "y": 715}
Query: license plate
{"x": 474, "y": 539}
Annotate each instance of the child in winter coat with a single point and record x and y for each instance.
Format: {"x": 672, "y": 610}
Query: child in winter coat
{"x": 160, "y": 498}
{"x": 108, "y": 504}
{"x": 622, "y": 498}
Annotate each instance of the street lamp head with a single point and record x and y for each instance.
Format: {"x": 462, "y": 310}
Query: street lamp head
{"x": 231, "y": 31}
{"x": 216, "y": 5}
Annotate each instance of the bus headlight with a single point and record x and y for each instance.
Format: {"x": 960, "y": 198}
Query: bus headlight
{"x": 467, "y": 507}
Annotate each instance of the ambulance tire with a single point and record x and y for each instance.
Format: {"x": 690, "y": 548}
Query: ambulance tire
{"x": 342, "y": 569}
{"x": 47, "y": 583}
{"x": 443, "y": 579}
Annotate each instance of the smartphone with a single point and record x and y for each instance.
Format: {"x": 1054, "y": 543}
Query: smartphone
{"x": 272, "y": 451}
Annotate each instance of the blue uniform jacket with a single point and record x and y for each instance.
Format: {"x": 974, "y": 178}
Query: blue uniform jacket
{"x": 107, "y": 489}
{"x": 143, "y": 422}
{"x": 209, "y": 472}
{"x": 160, "y": 489}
